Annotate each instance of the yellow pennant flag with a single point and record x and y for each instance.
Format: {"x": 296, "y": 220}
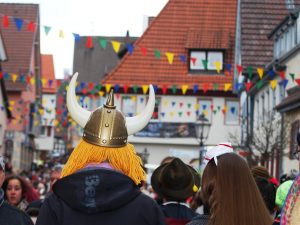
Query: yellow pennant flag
{"x": 32, "y": 81}
{"x": 133, "y": 98}
{"x": 10, "y": 108}
{"x": 260, "y": 72}
{"x": 166, "y": 103}
{"x": 73, "y": 123}
{"x": 273, "y": 84}
{"x": 116, "y": 45}
{"x": 14, "y": 122}
{"x": 12, "y": 103}
{"x": 197, "y": 106}
{"x": 77, "y": 97}
{"x": 14, "y": 77}
{"x": 107, "y": 87}
{"x": 36, "y": 123}
{"x": 225, "y": 108}
{"x": 205, "y": 112}
{"x": 41, "y": 111}
{"x": 55, "y": 122}
{"x": 44, "y": 101}
{"x": 172, "y": 114}
{"x": 218, "y": 66}
{"x": 101, "y": 93}
{"x": 227, "y": 86}
{"x": 184, "y": 89}
{"x": 170, "y": 57}
{"x": 61, "y": 34}
{"x": 145, "y": 89}
{"x": 44, "y": 81}
{"x": 67, "y": 87}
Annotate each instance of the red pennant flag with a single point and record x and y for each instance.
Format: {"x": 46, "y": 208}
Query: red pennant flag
{"x": 26, "y": 122}
{"x": 125, "y": 87}
{"x": 31, "y": 26}
{"x": 89, "y": 42}
{"x": 180, "y": 104}
{"x": 144, "y": 51}
{"x": 193, "y": 60}
{"x": 248, "y": 86}
{"x": 164, "y": 89}
{"x": 188, "y": 113}
{"x": 282, "y": 75}
{"x": 205, "y": 87}
{"x": 91, "y": 85}
{"x": 84, "y": 91}
{"x": 224, "y": 111}
{"x": 5, "y": 21}
{"x": 298, "y": 81}
{"x": 1, "y": 75}
{"x": 212, "y": 107}
{"x": 28, "y": 79}
{"x": 58, "y": 83}
{"x": 239, "y": 68}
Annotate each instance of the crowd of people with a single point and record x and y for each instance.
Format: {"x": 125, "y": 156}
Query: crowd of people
{"x": 103, "y": 182}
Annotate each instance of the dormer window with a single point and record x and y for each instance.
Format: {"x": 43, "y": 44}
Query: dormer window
{"x": 206, "y": 60}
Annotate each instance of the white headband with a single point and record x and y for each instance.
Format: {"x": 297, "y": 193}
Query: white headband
{"x": 220, "y": 149}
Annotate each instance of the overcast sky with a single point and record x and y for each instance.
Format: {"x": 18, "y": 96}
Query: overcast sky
{"x": 88, "y": 17}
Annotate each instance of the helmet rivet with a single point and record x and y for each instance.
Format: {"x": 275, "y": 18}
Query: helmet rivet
{"x": 103, "y": 141}
{"x": 108, "y": 111}
{"x": 106, "y": 125}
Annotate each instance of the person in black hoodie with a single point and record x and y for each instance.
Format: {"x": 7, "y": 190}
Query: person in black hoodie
{"x": 100, "y": 181}
{"x": 10, "y": 215}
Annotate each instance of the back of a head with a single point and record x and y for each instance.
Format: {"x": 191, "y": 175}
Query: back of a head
{"x": 260, "y": 171}
{"x": 231, "y": 184}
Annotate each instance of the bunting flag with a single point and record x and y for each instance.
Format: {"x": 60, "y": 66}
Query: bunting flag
{"x": 205, "y": 87}
{"x": 182, "y": 58}
{"x": 125, "y": 88}
{"x": 292, "y": 76}
{"x": 145, "y": 89}
{"x": 228, "y": 67}
{"x": 273, "y": 84}
{"x": 282, "y": 75}
{"x": 130, "y": 49}
{"x": 107, "y": 87}
{"x": 116, "y": 46}
{"x": 250, "y": 72}
{"x": 227, "y": 86}
{"x": 239, "y": 69}
{"x": 298, "y": 81}
{"x": 259, "y": 84}
{"x": 215, "y": 86}
{"x": 284, "y": 83}
{"x": 76, "y": 37}
{"x": 31, "y": 26}
{"x": 271, "y": 73}
{"x": 103, "y": 43}
{"x": 19, "y": 23}
{"x": 218, "y": 66}
{"x": 5, "y": 22}
{"x": 205, "y": 64}
{"x": 61, "y": 34}
{"x": 174, "y": 89}
{"x": 170, "y": 57}
{"x": 164, "y": 89}
{"x": 189, "y": 105}
{"x": 47, "y": 29}
{"x": 195, "y": 89}
{"x": 135, "y": 88}
{"x": 248, "y": 86}
{"x": 260, "y": 72}
{"x": 14, "y": 77}
{"x": 144, "y": 51}
{"x": 193, "y": 59}
{"x": 184, "y": 89}
{"x": 157, "y": 54}
{"x": 89, "y": 42}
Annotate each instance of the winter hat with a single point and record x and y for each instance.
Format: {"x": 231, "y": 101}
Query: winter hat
{"x": 290, "y": 214}
{"x": 220, "y": 149}
{"x": 282, "y": 192}
{"x": 2, "y": 163}
{"x": 175, "y": 180}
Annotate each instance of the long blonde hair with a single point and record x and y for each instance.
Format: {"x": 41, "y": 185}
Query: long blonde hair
{"x": 231, "y": 193}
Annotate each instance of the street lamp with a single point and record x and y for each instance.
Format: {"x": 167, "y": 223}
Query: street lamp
{"x": 202, "y": 127}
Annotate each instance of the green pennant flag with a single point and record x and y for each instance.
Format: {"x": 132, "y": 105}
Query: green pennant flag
{"x": 205, "y": 63}
{"x": 135, "y": 88}
{"x": 180, "y": 114}
{"x": 157, "y": 54}
{"x": 189, "y": 105}
{"x": 98, "y": 87}
{"x": 103, "y": 43}
{"x": 215, "y": 111}
{"x": 157, "y": 101}
{"x": 215, "y": 87}
{"x": 47, "y": 29}
{"x": 219, "y": 108}
{"x": 250, "y": 72}
{"x": 93, "y": 91}
{"x": 292, "y": 76}
{"x": 174, "y": 88}
{"x": 259, "y": 84}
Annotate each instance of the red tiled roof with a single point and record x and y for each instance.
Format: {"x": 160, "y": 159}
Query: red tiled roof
{"x": 181, "y": 24}
{"x": 258, "y": 19}
{"x": 18, "y": 44}
{"x": 48, "y": 74}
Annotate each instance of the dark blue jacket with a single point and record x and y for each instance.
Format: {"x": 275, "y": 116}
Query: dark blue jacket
{"x": 10, "y": 215}
{"x": 98, "y": 196}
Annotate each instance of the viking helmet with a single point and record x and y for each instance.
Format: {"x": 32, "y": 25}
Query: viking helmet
{"x": 107, "y": 126}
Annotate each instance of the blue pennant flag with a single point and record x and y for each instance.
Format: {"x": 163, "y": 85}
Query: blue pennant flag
{"x": 155, "y": 88}
{"x": 19, "y": 23}
{"x": 173, "y": 104}
{"x": 271, "y": 73}
{"x": 195, "y": 89}
{"x": 232, "y": 109}
{"x": 6, "y": 76}
{"x": 182, "y": 58}
{"x": 204, "y": 107}
{"x": 228, "y": 67}
{"x": 130, "y": 48}
{"x": 142, "y": 100}
{"x": 285, "y": 82}
{"x": 76, "y": 37}
{"x": 22, "y": 78}
{"x": 162, "y": 114}
{"x": 116, "y": 88}
{"x": 82, "y": 85}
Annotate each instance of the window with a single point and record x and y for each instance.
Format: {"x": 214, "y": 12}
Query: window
{"x": 197, "y": 58}
{"x": 293, "y": 141}
{"x": 204, "y": 107}
{"x": 129, "y": 105}
{"x": 46, "y": 130}
{"x": 232, "y": 113}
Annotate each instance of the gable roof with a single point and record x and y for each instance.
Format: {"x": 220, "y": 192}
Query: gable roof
{"x": 18, "y": 44}
{"x": 258, "y": 19}
{"x": 48, "y": 74}
{"x": 93, "y": 64}
{"x": 180, "y": 26}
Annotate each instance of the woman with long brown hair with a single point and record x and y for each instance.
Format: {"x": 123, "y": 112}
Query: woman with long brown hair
{"x": 230, "y": 193}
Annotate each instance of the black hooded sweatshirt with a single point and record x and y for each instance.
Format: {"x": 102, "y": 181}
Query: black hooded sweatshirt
{"x": 98, "y": 196}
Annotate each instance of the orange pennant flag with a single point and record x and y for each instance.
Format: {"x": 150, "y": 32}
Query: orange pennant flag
{"x": 101, "y": 93}
{"x": 107, "y": 87}
{"x": 227, "y": 86}
{"x": 260, "y": 72}
{"x": 170, "y": 57}
{"x": 273, "y": 84}
{"x": 184, "y": 89}
{"x": 14, "y": 77}
{"x": 116, "y": 45}
{"x": 145, "y": 89}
